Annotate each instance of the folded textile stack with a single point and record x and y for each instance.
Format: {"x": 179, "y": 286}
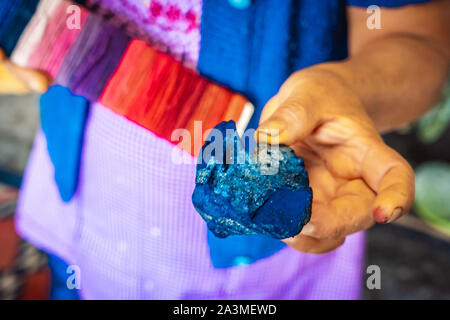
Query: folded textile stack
{"x": 33, "y": 33}
{"x": 159, "y": 93}
{"x": 92, "y": 58}
{"x": 100, "y": 62}
{"x": 56, "y": 41}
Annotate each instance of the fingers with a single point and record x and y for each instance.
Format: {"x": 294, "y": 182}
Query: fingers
{"x": 290, "y": 123}
{"x": 36, "y": 81}
{"x": 350, "y": 211}
{"x": 310, "y": 245}
{"x": 342, "y": 143}
{"x": 342, "y": 161}
{"x": 395, "y": 195}
{"x": 393, "y": 179}
{"x": 322, "y": 182}
{"x": 331, "y": 222}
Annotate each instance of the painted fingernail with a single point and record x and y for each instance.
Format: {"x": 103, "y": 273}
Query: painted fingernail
{"x": 380, "y": 215}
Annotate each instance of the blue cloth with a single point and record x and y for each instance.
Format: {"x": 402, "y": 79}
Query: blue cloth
{"x": 14, "y": 17}
{"x": 254, "y": 50}
{"x": 63, "y": 119}
{"x": 59, "y": 275}
{"x": 237, "y": 250}
{"x": 7, "y": 11}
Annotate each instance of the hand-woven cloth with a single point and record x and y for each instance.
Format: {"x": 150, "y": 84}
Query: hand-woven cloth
{"x": 34, "y": 31}
{"x": 56, "y": 40}
{"x": 92, "y": 58}
{"x": 170, "y": 25}
{"x": 159, "y": 93}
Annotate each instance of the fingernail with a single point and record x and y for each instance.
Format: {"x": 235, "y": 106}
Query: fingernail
{"x": 270, "y": 128}
{"x": 380, "y": 215}
{"x": 269, "y": 132}
{"x": 308, "y": 229}
{"x": 396, "y": 213}
{"x": 261, "y": 134}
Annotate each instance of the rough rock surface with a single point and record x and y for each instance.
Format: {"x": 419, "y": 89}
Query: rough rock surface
{"x": 266, "y": 192}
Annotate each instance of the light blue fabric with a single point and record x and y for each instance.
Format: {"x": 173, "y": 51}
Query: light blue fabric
{"x": 63, "y": 119}
{"x": 240, "y": 4}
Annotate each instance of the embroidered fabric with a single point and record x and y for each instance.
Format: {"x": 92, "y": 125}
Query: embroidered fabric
{"x": 172, "y": 26}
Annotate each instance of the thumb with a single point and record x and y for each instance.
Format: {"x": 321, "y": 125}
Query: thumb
{"x": 289, "y": 123}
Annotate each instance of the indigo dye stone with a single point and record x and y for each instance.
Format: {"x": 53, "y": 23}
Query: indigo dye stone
{"x": 239, "y": 192}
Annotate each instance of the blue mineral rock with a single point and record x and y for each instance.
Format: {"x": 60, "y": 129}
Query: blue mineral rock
{"x": 239, "y": 192}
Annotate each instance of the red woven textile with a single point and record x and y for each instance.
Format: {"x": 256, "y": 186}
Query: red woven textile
{"x": 157, "y": 92}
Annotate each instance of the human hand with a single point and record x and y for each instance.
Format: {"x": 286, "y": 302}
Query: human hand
{"x": 15, "y": 79}
{"x": 355, "y": 177}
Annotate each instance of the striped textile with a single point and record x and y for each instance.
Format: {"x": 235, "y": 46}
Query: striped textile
{"x": 34, "y": 32}
{"x": 157, "y": 92}
{"x": 147, "y": 86}
{"x": 56, "y": 41}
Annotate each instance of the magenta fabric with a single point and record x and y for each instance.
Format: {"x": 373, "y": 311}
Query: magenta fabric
{"x": 132, "y": 229}
{"x": 170, "y": 25}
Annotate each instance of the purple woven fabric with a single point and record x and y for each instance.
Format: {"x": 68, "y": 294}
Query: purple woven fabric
{"x": 93, "y": 58}
{"x": 132, "y": 229}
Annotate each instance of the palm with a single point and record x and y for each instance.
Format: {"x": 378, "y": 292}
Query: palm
{"x": 342, "y": 200}
{"x": 354, "y": 176}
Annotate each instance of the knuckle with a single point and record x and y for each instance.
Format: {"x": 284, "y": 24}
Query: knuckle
{"x": 292, "y": 112}
{"x": 322, "y": 232}
{"x": 337, "y": 233}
